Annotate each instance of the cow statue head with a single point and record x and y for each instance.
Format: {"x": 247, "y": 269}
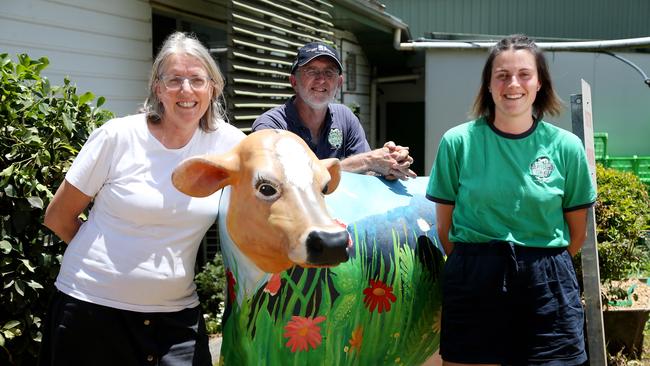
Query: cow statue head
{"x": 277, "y": 215}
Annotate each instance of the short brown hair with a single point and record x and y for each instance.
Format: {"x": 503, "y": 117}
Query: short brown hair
{"x": 546, "y": 101}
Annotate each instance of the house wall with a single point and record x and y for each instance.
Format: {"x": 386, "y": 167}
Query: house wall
{"x": 355, "y": 62}
{"x": 578, "y": 19}
{"x": 103, "y": 46}
{"x": 620, "y": 99}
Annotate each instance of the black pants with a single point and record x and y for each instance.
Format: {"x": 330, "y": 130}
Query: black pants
{"x": 76, "y": 332}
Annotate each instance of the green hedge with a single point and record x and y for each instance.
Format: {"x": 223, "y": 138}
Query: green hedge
{"x": 42, "y": 128}
{"x": 211, "y": 288}
{"x": 622, "y": 213}
{"x": 622, "y": 208}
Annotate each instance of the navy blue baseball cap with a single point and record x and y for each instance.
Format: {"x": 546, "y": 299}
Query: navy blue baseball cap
{"x": 312, "y": 50}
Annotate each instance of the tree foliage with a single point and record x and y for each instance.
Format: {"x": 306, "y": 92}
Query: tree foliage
{"x": 211, "y": 288}
{"x": 622, "y": 214}
{"x": 42, "y": 128}
{"x": 622, "y": 208}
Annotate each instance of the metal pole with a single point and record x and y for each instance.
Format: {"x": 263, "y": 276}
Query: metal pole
{"x": 595, "y": 333}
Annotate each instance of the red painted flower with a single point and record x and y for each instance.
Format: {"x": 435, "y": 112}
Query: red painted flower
{"x": 303, "y": 333}
{"x": 357, "y": 339}
{"x": 231, "y": 285}
{"x": 273, "y": 284}
{"x": 379, "y": 296}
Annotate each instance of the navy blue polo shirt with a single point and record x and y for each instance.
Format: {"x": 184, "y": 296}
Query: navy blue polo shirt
{"x": 342, "y": 135}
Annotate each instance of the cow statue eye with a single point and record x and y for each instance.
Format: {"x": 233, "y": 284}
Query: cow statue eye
{"x": 267, "y": 190}
{"x": 324, "y": 191}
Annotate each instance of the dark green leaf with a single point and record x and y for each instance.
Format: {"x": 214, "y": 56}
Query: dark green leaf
{"x": 10, "y": 324}
{"x": 27, "y": 264}
{"x": 10, "y": 191}
{"x": 35, "y": 202}
{"x": 86, "y": 97}
{"x": 20, "y": 288}
{"x": 34, "y": 285}
{"x": 7, "y": 171}
{"x": 67, "y": 122}
{"x": 5, "y": 247}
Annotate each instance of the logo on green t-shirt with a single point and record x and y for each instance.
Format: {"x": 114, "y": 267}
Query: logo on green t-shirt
{"x": 542, "y": 168}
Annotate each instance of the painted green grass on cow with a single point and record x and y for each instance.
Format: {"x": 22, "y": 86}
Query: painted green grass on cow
{"x": 383, "y": 313}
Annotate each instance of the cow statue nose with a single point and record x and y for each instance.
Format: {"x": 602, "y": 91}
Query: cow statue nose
{"x": 327, "y": 248}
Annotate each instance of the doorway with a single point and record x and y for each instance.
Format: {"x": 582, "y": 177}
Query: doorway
{"x": 405, "y": 126}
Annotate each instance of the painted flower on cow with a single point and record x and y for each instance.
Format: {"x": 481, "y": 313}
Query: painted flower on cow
{"x": 231, "y": 285}
{"x": 303, "y": 332}
{"x": 273, "y": 285}
{"x": 378, "y": 295}
{"x": 357, "y": 339}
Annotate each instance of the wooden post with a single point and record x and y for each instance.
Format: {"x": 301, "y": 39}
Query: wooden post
{"x": 582, "y": 124}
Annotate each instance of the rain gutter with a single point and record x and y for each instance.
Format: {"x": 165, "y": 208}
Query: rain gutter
{"x": 593, "y": 46}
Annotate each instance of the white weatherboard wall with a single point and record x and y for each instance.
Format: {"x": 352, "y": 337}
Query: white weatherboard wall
{"x": 103, "y": 46}
{"x": 361, "y": 94}
{"x": 620, "y": 99}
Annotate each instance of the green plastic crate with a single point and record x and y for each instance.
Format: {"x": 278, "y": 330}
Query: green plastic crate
{"x": 600, "y": 145}
{"x": 639, "y": 165}
{"x": 623, "y": 163}
{"x": 643, "y": 168}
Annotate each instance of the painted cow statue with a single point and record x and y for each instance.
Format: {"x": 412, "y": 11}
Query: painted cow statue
{"x": 323, "y": 267}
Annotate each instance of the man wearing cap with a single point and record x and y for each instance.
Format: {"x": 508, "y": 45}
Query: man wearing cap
{"x": 330, "y": 129}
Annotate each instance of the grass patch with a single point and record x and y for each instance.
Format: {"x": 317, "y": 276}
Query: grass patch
{"x": 384, "y": 309}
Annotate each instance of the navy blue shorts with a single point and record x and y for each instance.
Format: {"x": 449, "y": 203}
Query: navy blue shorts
{"x": 512, "y": 305}
{"x": 76, "y": 332}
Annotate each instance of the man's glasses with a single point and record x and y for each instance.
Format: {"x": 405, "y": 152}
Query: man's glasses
{"x": 314, "y": 73}
{"x": 175, "y": 83}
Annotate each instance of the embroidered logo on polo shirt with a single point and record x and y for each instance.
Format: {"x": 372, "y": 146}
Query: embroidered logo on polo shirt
{"x": 335, "y": 137}
{"x": 542, "y": 168}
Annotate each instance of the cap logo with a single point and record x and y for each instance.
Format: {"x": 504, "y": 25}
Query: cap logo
{"x": 319, "y": 48}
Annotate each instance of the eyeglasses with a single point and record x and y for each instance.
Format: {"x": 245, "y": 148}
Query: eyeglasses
{"x": 175, "y": 83}
{"x": 314, "y": 73}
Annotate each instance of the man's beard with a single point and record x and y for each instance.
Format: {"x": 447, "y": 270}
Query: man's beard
{"x": 304, "y": 94}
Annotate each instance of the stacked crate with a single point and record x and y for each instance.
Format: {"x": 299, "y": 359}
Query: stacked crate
{"x": 639, "y": 165}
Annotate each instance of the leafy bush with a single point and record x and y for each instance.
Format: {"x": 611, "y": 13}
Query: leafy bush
{"x": 42, "y": 128}
{"x": 211, "y": 288}
{"x": 622, "y": 213}
{"x": 622, "y": 208}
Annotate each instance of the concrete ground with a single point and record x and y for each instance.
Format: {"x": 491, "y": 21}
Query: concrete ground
{"x": 215, "y": 348}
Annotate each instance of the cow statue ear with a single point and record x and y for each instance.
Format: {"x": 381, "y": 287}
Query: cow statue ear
{"x": 203, "y": 175}
{"x": 333, "y": 166}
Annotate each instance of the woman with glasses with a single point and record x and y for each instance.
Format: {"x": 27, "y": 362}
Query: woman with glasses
{"x": 126, "y": 294}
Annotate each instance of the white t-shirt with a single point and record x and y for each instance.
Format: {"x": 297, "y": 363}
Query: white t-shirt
{"x": 137, "y": 250}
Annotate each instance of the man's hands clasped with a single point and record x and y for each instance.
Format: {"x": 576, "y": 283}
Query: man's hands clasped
{"x": 392, "y": 161}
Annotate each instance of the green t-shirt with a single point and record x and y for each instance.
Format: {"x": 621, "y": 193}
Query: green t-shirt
{"x": 511, "y": 187}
